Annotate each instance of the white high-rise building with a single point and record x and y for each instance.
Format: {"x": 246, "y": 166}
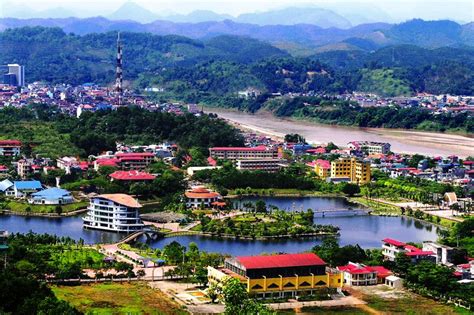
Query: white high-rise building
{"x": 113, "y": 212}
{"x": 19, "y": 72}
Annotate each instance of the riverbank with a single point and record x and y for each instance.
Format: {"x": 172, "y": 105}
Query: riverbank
{"x": 13, "y": 207}
{"x": 402, "y": 141}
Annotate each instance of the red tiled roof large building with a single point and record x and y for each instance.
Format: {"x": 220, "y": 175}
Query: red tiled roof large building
{"x": 10, "y": 147}
{"x": 284, "y": 275}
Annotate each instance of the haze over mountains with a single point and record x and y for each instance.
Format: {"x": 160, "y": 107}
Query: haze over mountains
{"x": 338, "y": 13}
{"x": 302, "y": 39}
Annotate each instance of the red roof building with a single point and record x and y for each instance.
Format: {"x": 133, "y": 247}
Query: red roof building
{"x": 10, "y": 147}
{"x": 359, "y": 274}
{"x": 200, "y": 196}
{"x": 280, "y": 261}
{"x": 132, "y": 176}
{"x": 391, "y": 248}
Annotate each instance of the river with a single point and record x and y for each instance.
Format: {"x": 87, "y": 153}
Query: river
{"x": 403, "y": 141}
{"x": 365, "y": 230}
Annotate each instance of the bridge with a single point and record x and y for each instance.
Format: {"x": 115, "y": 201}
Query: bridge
{"x": 148, "y": 231}
{"x": 342, "y": 212}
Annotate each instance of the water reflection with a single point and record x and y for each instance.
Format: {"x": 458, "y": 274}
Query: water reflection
{"x": 367, "y": 231}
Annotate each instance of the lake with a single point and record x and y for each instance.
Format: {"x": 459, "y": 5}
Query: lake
{"x": 365, "y": 230}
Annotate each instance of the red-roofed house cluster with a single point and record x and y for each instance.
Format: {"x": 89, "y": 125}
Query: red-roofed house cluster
{"x": 126, "y": 161}
{"x": 391, "y": 248}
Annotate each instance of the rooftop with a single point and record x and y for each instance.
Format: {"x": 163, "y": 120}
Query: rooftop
{"x": 280, "y": 261}
{"x": 132, "y": 175}
{"x": 122, "y": 199}
{"x": 51, "y": 193}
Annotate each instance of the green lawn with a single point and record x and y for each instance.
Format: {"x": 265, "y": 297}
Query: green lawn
{"x": 18, "y": 206}
{"x": 117, "y": 298}
{"x": 413, "y": 304}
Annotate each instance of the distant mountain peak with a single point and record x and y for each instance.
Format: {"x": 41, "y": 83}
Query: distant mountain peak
{"x": 132, "y": 11}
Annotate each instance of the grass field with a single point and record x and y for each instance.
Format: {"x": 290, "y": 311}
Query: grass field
{"x": 388, "y": 301}
{"x": 22, "y": 207}
{"x": 325, "y": 310}
{"x": 113, "y": 298}
{"x": 411, "y": 305}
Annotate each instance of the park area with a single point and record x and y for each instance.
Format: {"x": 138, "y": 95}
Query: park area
{"x": 117, "y": 298}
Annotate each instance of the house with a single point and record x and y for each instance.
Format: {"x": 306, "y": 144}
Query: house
{"x": 284, "y": 275}
{"x": 26, "y": 188}
{"x": 6, "y": 187}
{"x": 10, "y": 147}
{"x": 394, "y": 282}
{"x": 392, "y": 248}
{"x": 360, "y": 275}
{"x": 131, "y": 176}
{"x": 198, "y": 197}
{"x": 113, "y": 212}
{"x": 443, "y": 253}
{"x": 51, "y": 196}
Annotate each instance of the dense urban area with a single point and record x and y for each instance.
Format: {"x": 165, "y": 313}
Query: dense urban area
{"x": 122, "y": 190}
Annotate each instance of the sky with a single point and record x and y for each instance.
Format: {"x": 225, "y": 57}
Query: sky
{"x": 399, "y": 10}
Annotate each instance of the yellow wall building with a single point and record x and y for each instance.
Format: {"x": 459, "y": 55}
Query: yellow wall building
{"x": 278, "y": 276}
{"x": 356, "y": 171}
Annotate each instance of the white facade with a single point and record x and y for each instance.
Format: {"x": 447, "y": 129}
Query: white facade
{"x": 110, "y": 214}
{"x": 19, "y": 72}
{"x": 442, "y": 252}
{"x": 394, "y": 282}
{"x": 267, "y": 165}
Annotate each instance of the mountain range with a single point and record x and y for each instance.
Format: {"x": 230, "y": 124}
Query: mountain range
{"x": 300, "y": 39}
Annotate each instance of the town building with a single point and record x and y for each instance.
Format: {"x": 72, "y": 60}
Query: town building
{"x": 193, "y": 169}
{"x": 126, "y": 161}
{"x": 10, "y": 147}
{"x": 285, "y": 275}
{"x": 392, "y": 248}
{"x": 131, "y": 176}
{"x": 266, "y": 165}
{"x": 443, "y": 253}
{"x": 322, "y": 168}
{"x": 25, "y": 188}
{"x": 3, "y": 170}
{"x": 361, "y": 275}
{"x": 6, "y": 187}
{"x": 69, "y": 163}
{"x": 51, "y": 196}
{"x": 241, "y": 153}
{"x": 199, "y": 197}
{"x": 15, "y": 75}
{"x": 113, "y": 212}
{"x": 356, "y": 170}
{"x": 369, "y": 147}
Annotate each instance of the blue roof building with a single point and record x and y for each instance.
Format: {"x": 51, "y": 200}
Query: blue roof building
{"x": 25, "y": 188}
{"x": 51, "y": 196}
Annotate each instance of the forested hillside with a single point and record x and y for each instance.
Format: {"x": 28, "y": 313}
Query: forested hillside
{"x": 218, "y": 67}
